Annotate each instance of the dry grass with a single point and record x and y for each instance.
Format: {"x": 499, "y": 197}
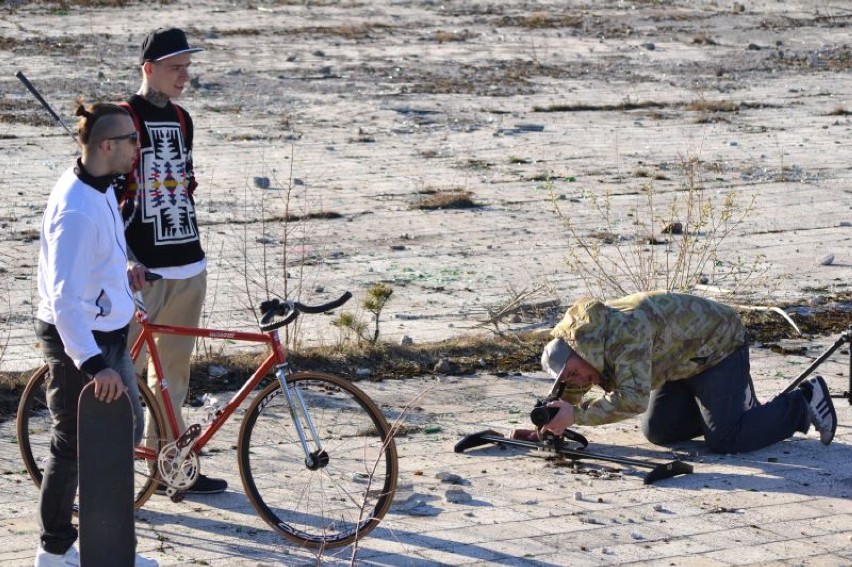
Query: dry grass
{"x": 450, "y": 36}
{"x": 703, "y": 105}
{"x": 64, "y": 5}
{"x": 541, "y": 20}
{"x": 346, "y": 31}
{"x": 703, "y": 39}
{"x": 27, "y": 235}
{"x": 643, "y": 172}
{"x": 343, "y": 31}
{"x": 477, "y": 164}
{"x": 290, "y": 217}
{"x": 431, "y": 199}
{"x": 599, "y": 107}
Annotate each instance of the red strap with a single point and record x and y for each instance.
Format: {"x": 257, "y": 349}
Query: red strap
{"x": 130, "y": 178}
{"x": 182, "y": 119}
{"x": 126, "y": 106}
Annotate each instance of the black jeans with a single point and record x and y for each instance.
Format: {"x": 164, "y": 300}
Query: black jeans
{"x": 64, "y": 384}
{"x": 720, "y": 404}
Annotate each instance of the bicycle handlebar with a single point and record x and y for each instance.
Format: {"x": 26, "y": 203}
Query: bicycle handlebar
{"x": 289, "y": 309}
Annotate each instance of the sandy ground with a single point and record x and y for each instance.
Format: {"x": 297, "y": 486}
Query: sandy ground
{"x": 359, "y": 111}
{"x": 789, "y": 504}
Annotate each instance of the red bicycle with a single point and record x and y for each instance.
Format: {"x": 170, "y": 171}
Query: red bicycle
{"x": 316, "y": 455}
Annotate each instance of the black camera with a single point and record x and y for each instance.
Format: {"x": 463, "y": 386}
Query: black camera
{"x": 542, "y": 414}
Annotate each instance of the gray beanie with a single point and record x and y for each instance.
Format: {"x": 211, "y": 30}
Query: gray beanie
{"x": 555, "y": 356}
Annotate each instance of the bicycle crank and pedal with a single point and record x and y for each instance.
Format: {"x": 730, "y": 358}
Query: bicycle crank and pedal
{"x": 178, "y": 464}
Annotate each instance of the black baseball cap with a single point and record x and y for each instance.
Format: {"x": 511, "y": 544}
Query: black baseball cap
{"x": 163, "y": 43}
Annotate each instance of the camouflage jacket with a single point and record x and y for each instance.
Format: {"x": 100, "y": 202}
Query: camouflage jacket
{"x": 642, "y": 341}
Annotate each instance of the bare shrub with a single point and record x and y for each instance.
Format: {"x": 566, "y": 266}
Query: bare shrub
{"x": 275, "y": 246}
{"x": 520, "y": 304}
{"x": 666, "y": 241}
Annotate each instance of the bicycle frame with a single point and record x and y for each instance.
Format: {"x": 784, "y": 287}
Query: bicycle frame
{"x": 287, "y": 430}
{"x": 277, "y": 357}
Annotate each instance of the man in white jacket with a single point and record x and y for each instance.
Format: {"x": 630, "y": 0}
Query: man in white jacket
{"x": 85, "y": 306}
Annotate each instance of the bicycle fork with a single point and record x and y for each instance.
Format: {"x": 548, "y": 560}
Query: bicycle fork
{"x": 317, "y": 458}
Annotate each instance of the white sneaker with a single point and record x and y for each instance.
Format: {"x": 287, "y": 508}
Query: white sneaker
{"x": 142, "y": 561}
{"x": 72, "y": 559}
{"x": 821, "y": 408}
{"x": 69, "y": 559}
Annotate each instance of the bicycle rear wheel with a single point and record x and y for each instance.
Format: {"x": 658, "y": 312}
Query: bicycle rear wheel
{"x": 34, "y": 423}
{"x": 337, "y": 502}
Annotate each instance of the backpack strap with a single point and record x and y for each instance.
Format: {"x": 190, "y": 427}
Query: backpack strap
{"x": 181, "y": 119}
{"x": 130, "y": 184}
{"x": 184, "y": 129}
{"x": 126, "y": 106}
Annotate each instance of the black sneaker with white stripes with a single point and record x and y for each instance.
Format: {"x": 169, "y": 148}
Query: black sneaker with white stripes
{"x": 820, "y": 407}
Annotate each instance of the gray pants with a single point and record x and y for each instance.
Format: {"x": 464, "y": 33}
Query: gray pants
{"x": 720, "y": 404}
{"x": 64, "y": 384}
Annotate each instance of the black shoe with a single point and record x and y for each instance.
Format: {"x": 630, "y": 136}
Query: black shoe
{"x": 203, "y": 485}
{"x": 206, "y": 485}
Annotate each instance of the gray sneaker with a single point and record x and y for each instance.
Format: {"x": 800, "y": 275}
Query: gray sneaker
{"x": 821, "y": 408}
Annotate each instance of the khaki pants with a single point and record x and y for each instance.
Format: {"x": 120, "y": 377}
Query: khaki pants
{"x": 178, "y": 303}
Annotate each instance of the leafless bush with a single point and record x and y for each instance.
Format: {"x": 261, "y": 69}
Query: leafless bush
{"x": 672, "y": 245}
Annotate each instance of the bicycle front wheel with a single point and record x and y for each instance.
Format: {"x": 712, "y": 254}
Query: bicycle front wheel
{"x": 345, "y": 495}
{"x": 34, "y": 433}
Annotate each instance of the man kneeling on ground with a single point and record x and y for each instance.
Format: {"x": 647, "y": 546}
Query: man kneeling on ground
{"x": 681, "y": 359}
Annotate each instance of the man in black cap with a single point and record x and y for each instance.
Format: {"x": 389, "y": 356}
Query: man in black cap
{"x": 158, "y": 206}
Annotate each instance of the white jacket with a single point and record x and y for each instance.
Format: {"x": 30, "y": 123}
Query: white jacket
{"x": 82, "y": 266}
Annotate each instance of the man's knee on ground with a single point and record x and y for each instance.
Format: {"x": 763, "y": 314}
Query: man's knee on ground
{"x": 661, "y": 432}
{"x": 725, "y": 444}
{"x": 656, "y": 434}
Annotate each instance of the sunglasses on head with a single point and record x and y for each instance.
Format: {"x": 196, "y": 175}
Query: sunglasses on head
{"x": 133, "y": 137}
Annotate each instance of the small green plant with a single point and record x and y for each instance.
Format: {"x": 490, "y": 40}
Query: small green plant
{"x": 377, "y": 298}
{"x": 375, "y": 301}
{"x": 350, "y": 327}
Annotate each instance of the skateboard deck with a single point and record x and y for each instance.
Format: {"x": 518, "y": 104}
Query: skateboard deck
{"x": 105, "y": 433}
